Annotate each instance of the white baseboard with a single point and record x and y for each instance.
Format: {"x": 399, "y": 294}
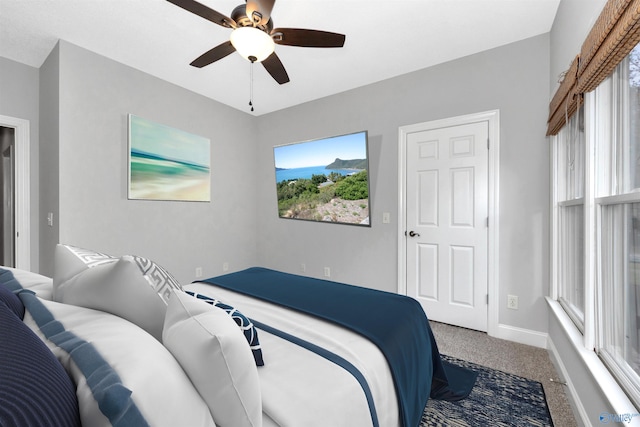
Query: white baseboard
{"x": 572, "y": 393}
{"x": 522, "y": 336}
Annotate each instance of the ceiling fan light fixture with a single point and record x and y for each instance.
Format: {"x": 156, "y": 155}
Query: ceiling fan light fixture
{"x": 252, "y": 43}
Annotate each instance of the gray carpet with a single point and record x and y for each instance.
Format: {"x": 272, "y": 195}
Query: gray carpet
{"x": 518, "y": 359}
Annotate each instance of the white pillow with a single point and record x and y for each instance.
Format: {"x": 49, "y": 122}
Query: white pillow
{"x": 70, "y": 261}
{"x": 114, "y": 363}
{"x": 215, "y": 355}
{"x": 131, "y": 287}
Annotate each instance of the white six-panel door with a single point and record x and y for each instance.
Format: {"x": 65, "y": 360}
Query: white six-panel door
{"x": 446, "y": 222}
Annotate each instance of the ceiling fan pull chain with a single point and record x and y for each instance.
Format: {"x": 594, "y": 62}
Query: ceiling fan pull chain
{"x": 251, "y": 85}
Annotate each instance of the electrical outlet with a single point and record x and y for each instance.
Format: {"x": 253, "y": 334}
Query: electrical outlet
{"x": 512, "y": 302}
{"x": 303, "y": 267}
{"x": 225, "y": 266}
{"x": 327, "y": 272}
{"x": 198, "y": 272}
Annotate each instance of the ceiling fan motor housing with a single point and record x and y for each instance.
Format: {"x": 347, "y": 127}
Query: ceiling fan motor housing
{"x": 239, "y": 14}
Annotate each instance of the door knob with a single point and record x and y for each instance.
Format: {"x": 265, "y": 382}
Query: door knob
{"x": 414, "y": 234}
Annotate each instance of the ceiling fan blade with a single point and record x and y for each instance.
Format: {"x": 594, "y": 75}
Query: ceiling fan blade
{"x": 259, "y": 11}
{"x": 274, "y": 67}
{"x": 205, "y": 12}
{"x": 307, "y": 38}
{"x": 214, "y": 54}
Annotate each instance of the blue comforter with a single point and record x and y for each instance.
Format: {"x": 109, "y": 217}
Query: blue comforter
{"x": 395, "y": 323}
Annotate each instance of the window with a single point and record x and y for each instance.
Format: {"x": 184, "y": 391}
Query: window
{"x": 570, "y": 154}
{"x": 620, "y": 340}
{"x": 633, "y": 92}
{"x": 597, "y": 232}
{"x": 617, "y": 205}
{"x": 596, "y": 192}
{"x": 571, "y": 294}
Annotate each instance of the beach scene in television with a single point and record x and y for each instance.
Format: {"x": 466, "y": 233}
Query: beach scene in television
{"x": 324, "y": 180}
{"x": 167, "y": 163}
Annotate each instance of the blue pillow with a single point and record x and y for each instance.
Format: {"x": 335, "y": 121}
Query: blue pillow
{"x": 243, "y": 322}
{"x": 12, "y": 301}
{"x": 35, "y": 390}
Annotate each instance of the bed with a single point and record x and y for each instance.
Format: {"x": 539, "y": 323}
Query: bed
{"x": 386, "y": 337}
{"x": 285, "y": 350}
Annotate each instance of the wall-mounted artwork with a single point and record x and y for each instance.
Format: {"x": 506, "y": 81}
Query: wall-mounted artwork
{"x": 325, "y": 180}
{"x": 167, "y": 163}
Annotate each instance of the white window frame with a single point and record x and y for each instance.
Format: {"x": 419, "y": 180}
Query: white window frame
{"x": 568, "y": 259}
{"x": 621, "y": 373}
{"x": 607, "y": 143}
{"x": 564, "y": 195}
{"x": 617, "y": 191}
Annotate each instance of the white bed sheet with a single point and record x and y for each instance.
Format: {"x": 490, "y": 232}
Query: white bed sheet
{"x": 41, "y": 285}
{"x": 301, "y": 388}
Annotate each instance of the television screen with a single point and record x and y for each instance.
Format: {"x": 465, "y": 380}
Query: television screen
{"x": 324, "y": 180}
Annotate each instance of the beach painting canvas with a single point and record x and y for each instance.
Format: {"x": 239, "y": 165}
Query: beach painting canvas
{"x": 167, "y": 163}
{"x": 324, "y": 180}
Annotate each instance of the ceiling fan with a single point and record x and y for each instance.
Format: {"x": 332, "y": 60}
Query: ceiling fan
{"x": 254, "y": 37}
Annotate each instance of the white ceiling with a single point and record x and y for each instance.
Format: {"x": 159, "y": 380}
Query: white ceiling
{"x": 383, "y": 39}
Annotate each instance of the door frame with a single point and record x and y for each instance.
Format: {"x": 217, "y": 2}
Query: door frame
{"x": 22, "y": 185}
{"x": 492, "y": 117}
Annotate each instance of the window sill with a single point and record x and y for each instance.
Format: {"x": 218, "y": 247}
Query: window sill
{"x": 616, "y": 398}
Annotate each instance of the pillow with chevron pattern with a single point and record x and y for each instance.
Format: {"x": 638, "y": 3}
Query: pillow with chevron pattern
{"x": 243, "y": 322}
{"x": 212, "y": 351}
{"x": 132, "y": 287}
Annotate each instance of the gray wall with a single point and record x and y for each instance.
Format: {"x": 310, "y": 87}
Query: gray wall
{"x": 50, "y": 165}
{"x": 19, "y": 98}
{"x": 85, "y": 99}
{"x": 513, "y": 79}
{"x": 96, "y": 95}
{"x": 574, "y": 19}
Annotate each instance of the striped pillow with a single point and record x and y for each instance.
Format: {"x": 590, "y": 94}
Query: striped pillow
{"x": 9, "y": 297}
{"x": 31, "y": 377}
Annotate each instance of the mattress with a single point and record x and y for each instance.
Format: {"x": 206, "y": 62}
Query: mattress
{"x": 300, "y": 387}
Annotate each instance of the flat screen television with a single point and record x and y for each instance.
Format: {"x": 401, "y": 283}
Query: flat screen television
{"x": 324, "y": 180}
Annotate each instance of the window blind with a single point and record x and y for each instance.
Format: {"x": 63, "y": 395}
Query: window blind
{"x": 565, "y": 101}
{"x": 615, "y": 33}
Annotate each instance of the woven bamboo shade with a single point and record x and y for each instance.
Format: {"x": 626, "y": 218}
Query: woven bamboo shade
{"x": 613, "y": 36}
{"x": 565, "y": 101}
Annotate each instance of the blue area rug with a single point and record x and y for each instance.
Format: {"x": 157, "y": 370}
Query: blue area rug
{"x": 498, "y": 399}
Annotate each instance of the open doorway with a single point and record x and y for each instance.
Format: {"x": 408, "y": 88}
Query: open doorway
{"x": 15, "y": 213}
{"x": 7, "y": 196}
